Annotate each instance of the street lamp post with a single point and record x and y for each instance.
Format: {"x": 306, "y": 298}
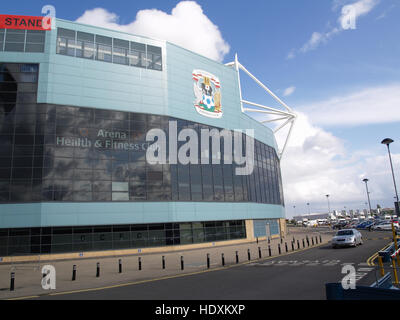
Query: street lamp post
{"x": 329, "y": 207}
{"x": 369, "y": 202}
{"x": 387, "y": 142}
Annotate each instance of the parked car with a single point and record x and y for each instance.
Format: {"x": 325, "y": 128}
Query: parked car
{"x": 339, "y": 225}
{"x": 385, "y": 226}
{"x": 347, "y": 237}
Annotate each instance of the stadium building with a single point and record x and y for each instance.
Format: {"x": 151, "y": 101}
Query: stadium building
{"x": 76, "y": 105}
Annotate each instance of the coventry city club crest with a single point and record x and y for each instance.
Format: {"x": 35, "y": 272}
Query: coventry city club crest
{"x": 207, "y": 90}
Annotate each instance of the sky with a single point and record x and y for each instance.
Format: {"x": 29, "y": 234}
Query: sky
{"x": 335, "y": 62}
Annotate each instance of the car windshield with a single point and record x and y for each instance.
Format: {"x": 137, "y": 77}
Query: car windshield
{"x": 345, "y": 233}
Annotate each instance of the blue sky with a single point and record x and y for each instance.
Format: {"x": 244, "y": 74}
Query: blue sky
{"x": 345, "y": 85}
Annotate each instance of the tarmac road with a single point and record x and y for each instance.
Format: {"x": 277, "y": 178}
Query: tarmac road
{"x": 298, "y": 275}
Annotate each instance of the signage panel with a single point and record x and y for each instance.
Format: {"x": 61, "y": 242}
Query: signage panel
{"x": 24, "y": 22}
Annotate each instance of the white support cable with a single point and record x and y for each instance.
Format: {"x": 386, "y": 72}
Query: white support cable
{"x": 282, "y": 125}
{"x": 265, "y": 107}
{"x": 272, "y": 120}
{"x": 281, "y": 115}
{"x": 287, "y": 138}
{"x": 266, "y": 89}
{"x": 263, "y": 111}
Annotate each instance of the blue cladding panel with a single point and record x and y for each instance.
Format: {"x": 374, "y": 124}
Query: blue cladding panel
{"x": 80, "y": 214}
{"x": 80, "y": 82}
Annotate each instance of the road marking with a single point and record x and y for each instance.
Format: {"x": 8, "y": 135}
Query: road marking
{"x": 168, "y": 277}
{"x": 371, "y": 259}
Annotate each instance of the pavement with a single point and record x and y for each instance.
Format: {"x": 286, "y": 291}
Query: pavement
{"x": 28, "y": 276}
{"x": 298, "y": 275}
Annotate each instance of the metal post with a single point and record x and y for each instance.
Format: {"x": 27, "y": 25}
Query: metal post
{"x": 293, "y": 245}
{"x": 269, "y": 251}
{"x": 208, "y": 261}
{"x": 269, "y": 240}
{"x": 257, "y": 240}
{"x": 163, "y": 262}
{"x": 248, "y": 254}
{"x": 259, "y": 253}
{"x": 223, "y": 259}
{"x": 320, "y": 239}
{"x": 381, "y": 269}
{"x": 182, "y": 263}
{"x": 298, "y": 245}
{"x": 304, "y": 245}
{"x": 312, "y": 241}
{"x": 286, "y": 247}
{"x": 391, "y": 166}
{"x": 279, "y": 248}
{"x": 396, "y": 278}
{"x": 12, "y": 281}
{"x": 316, "y": 240}
{"x": 74, "y": 272}
{"x": 237, "y": 257}
{"x": 98, "y": 269}
{"x": 140, "y": 263}
{"x": 119, "y": 266}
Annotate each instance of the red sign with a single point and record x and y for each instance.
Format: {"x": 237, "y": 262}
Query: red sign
{"x": 24, "y": 22}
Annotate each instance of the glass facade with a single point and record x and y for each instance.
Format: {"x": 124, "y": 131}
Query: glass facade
{"x": 107, "y": 49}
{"x": 93, "y": 238}
{"x": 75, "y": 154}
{"x": 14, "y": 40}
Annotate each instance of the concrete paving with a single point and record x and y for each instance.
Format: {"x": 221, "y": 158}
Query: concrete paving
{"x": 28, "y": 275}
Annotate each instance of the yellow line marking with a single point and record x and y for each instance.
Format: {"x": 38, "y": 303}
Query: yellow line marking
{"x": 372, "y": 258}
{"x": 21, "y": 298}
{"x": 174, "y": 276}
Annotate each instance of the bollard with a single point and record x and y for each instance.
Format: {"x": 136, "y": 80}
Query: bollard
{"x": 182, "y": 263}
{"x": 281, "y": 240}
{"x": 396, "y": 278}
{"x": 119, "y": 266}
{"x": 269, "y": 240}
{"x": 286, "y": 247}
{"x": 12, "y": 281}
{"x": 381, "y": 269}
{"x": 140, "y": 263}
{"x": 257, "y": 240}
{"x": 208, "y": 261}
{"x": 163, "y": 262}
{"x": 298, "y": 245}
{"x": 312, "y": 241}
{"x": 269, "y": 251}
{"x": 293, "y": 246}
{"x": 259, "y": 253}
{"x": 248, "y": 254}
{"x": 74, "y": 272}
{"x": 237, "y": 257}
{"x": 294, "y": 240}
{"x": 308, "y": 242}
{"x": 223, "y": 259}
{"x": 98, "y": 269}
{"x": 316, "y": 240}
{"x": 320, "y": 239}
{"x": 279, "y": 248}
{"x": 304, "y": 245}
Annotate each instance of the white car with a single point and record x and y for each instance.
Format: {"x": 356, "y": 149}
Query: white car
{"x": 347, "y": 237}
{"x": 385, "y": 226}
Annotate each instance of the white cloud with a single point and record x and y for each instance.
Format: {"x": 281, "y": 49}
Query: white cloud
{"x": 358, "y": 8}
{"x": 186, "y": 26}
{"x": 317, "y": 163}
{"x": 289, "y": 91}
{"x": 366, "y": 106}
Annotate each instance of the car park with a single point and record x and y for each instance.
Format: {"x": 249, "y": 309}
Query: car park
{"x": 385, "y": 226}
{"x": 347, "y": 238}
